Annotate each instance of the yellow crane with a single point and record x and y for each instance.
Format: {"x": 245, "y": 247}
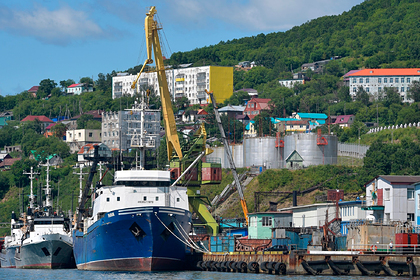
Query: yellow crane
{"x": 196, "y": 148}
{"x": 152, "y": 41}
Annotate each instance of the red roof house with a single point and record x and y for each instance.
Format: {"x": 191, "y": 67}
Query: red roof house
{"x": 255, "y": 106}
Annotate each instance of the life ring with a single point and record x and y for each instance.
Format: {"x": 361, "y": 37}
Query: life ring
{"x": 373, "y": 248}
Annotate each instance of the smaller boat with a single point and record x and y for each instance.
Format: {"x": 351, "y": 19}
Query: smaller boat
{"x": 11, "y": 242}
{"x": 46, "y": 240}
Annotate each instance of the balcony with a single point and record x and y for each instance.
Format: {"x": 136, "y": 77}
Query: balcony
{"x": 373, "y": 204}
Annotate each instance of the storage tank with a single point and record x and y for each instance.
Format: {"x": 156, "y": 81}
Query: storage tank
{"x": 261, "y": 151}
{"x": 308, "y": 148}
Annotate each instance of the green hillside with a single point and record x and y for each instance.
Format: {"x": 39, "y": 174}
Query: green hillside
{"x": 376, "y": 33}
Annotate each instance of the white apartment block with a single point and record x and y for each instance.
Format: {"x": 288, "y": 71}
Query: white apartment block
{"x": 188, "y": 82}
{"x": 77, "y": 138}
{"x": 374, "y": 81}
{"x": 118, "y": 127}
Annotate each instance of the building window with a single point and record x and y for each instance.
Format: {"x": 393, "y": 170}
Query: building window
{"x": 266, "y": 221}
{"x": 402, "y": 80}
{"x": 354, "y": 80}
{"x": 408, "y": 80}
{"x": 157, "y": 198}
{"x": 410, "y": 193}
{"x": 385, "y": 80}
{"x": 379, "y": 89}
{"x": 387, "y": 193}
{"x": 367, "y": 80}
{"x": 408, "y": 88}
{"x": 90, "y": 134}
{"x": 361, "y": 80}
{"x": 410, "y": 216}
{"x": 177, "y": 199}
{"x": 367, "y": 89}
{"x": 80, "y": 134}
{"x": 354, "y": 89}
{"x": 107, "y": 199}
{"x": 118, "y": 198}
{"x": 391, "y": 80}
{"x": 379, "y": 80}
{"x": 144, "y": 198}
{"x": 104, "y": 134}
{"x": 402, "y": 89}
{"x": 396, "y": 80}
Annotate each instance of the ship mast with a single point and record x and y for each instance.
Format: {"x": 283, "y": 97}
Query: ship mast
{"x": 31, "y": 196}
{"x": 140, "y": 139}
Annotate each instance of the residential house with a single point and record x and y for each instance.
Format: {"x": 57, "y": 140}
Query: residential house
{"x": 77, "y": 138}
{"x": 373, "y": 81}
{"x": 251, "y": 92}
{"x": 33, "y": 90}
{"x": 4, "y": 155}
{"x": 4, "y": 117}
{"x": 77, "y": 89}
{"x": 9, "y": 149}
{"x": 255, "y": 106}
{"x": 316, "y": 66}
{"x": 232, "y": 111}
{"x": 344, "y": 120}
{"x": 43, "y": 119}
{"x": 194, "y": 116}
{"x": 8, "y": 162}
{"x": 391, "y": 198}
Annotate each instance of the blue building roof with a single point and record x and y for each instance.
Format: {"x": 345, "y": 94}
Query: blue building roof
{"x": 312, "y": 116}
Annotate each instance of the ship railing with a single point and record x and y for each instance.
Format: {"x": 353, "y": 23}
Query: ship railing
{"x": 386, "y": 248}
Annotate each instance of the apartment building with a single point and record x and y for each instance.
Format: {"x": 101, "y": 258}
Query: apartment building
{"x": 190, "y": 82}
{"x": 118, "y": 128}
{"x": 77, "y": 138}
{"x": 374, "y": 81}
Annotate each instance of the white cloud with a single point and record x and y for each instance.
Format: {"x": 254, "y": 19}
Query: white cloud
{"x": 59, "y": 27}
{"x": 255, "y": 15}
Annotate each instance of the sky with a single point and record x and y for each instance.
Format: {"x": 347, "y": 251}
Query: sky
{"x": 72, "y": 39}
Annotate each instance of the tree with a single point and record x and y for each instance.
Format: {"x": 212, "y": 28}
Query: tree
{"x": 66, "y": 83}
{"x": 59, "y": 130}
{"x": 86, "y": 80}
{"x": 391, "y": 96}
{"x": 83, "y": 120}
{"x": 362, "y": 96}
{"x": 263, "y": 124}
{"x": 45, "y": 88}
{"x": 414, "y": 91}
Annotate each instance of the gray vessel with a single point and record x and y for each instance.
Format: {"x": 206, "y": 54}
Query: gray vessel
{"x": 46, "y": 240}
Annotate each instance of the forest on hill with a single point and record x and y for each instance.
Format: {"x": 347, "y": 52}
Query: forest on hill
{"x": 373, "y": 34}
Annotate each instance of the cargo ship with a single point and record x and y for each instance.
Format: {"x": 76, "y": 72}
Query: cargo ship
{"x": 139, "y": 223}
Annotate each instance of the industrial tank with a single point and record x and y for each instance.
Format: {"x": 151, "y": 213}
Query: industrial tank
{"x": 261, "y": 151}
{"x": 306, "y": 145}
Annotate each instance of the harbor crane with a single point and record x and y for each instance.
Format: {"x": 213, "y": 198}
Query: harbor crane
{"x": 229, "y": 156}
{"x": 187, "y": 156}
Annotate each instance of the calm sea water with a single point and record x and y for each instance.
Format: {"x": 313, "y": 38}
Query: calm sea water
{"x": 74, "y": 274}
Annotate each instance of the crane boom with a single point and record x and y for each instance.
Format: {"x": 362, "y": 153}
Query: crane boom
{"x": 152, "y": 42}
{"x": 229, "y": 156}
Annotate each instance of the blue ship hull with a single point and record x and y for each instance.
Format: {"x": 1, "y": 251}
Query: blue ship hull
{"x": 134, "y": 239}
